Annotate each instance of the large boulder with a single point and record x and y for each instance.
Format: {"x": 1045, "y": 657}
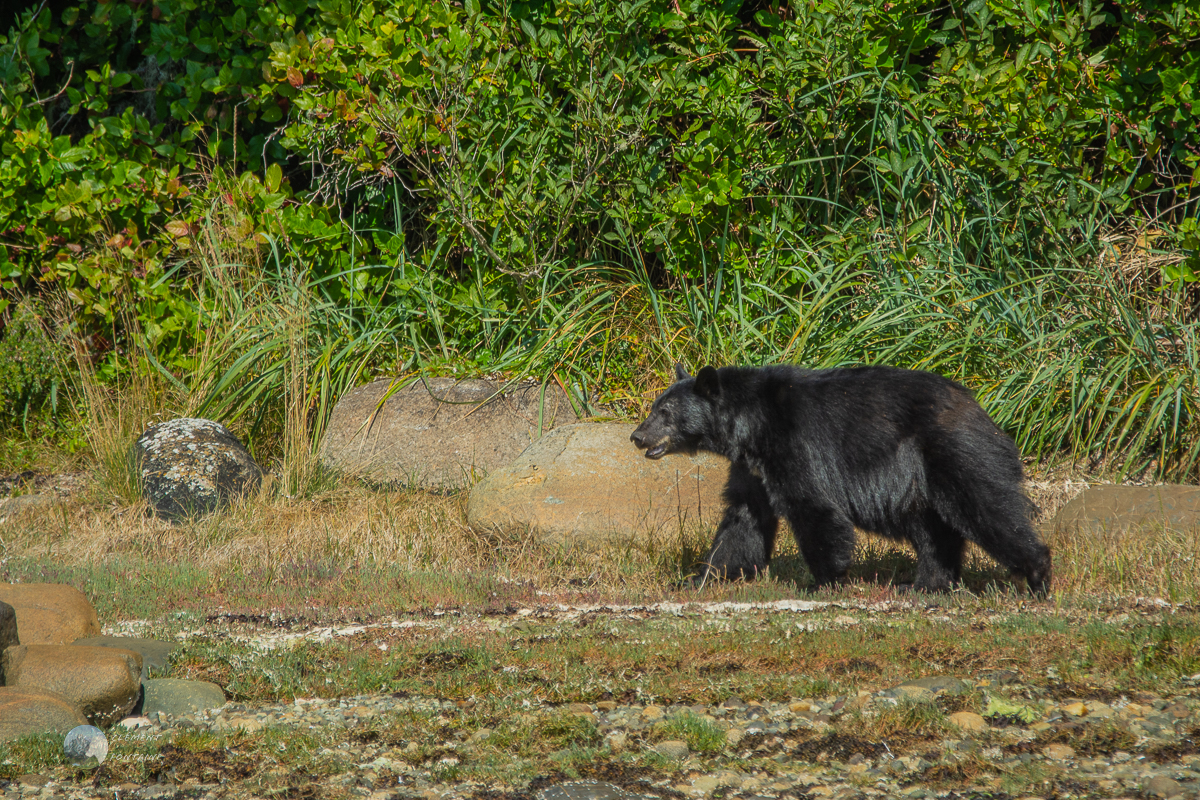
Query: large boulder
{"x": 25, "y": 712}
{"x": 103, "y": 682}
{"x": 193, "y": 466}
{"x": 1115, "y": 508}
{"x": 439, "y": 433}
{"x": 50, "y": 613}
{"x": 587, "y": 484}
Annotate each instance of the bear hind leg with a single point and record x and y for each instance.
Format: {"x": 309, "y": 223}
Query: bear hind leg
{"x": 939, "y": 555}
{"x": 1001, "y": 527}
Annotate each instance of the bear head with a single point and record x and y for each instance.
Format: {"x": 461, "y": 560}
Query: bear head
{"x": 682, "y": 417}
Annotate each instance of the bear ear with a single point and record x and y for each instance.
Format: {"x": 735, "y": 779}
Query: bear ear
{"x": 680, "y": 373}
{"x": 708, "y": 383}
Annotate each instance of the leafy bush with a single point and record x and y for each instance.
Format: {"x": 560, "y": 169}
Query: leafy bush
{"x": 585, "y": 190}
{"x": 31, "y": 366}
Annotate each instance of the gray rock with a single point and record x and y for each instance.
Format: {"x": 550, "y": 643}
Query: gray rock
{"x": 193, "y": 466}
{"x": 1115, "y": 508}
{"x": 177, "y": 697}
{"x": 439, "y": 433}
{"x": 674, "y": 749}
{"x": 25, "y": 712}
{"x": 12, "y": 507}
{"x": 1163, "y": 786}
{"x": 587, "y": 483}
{"x": 155, "y": 655}
{"x": 932, "y": 686}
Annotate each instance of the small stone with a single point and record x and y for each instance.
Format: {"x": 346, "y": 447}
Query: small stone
{"x": 673, "y": 749}
{"x": 650, "y": 713}
{"x": 706, "y": 784}
{"x": 734, "y": 735}
{"x": 1178, "y": 711}
{"x": 583, "y": 790}
{"x": 616, "y": 741}
{"x": 800, "y": 707}
{"x": 939, "y": 684}
{"x": 606, "y": 705}
{"x": 1075, "y": 709}
{"x": 1163, "y": 786}
{"x": 133, "y": 723}
{"x": 1058, "y": 752}
{"x": 969, "y": 721}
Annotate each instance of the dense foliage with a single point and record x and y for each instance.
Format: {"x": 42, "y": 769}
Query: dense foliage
{"x": 583, "y": 190}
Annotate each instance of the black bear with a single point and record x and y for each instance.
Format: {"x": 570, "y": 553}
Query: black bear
{"x": 901, "y": 453}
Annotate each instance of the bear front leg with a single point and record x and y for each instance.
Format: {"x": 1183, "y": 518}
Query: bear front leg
{"x": 745, "y": 539}
{"x": 826, "y": 539}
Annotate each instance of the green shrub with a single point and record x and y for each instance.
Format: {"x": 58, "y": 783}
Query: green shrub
{"x": 31, "y": 366}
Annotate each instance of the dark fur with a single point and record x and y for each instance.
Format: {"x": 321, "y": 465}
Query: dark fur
{"x": 905, "y": 454}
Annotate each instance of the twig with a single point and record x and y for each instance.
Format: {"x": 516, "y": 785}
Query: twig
{"x": 60, "y": 91}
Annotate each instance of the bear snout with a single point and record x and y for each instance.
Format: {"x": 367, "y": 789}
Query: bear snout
{"x": 656, "y": 448}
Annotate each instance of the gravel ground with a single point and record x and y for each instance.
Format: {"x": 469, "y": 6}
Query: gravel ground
{"x": 1121, "y": 748}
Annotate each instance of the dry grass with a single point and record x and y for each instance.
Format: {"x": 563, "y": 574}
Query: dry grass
{"x": 414, "y": 532}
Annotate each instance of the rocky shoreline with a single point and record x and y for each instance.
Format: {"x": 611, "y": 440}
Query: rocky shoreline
{"x": 804, "y": 748}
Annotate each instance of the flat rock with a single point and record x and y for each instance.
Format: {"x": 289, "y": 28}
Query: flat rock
{"x": 193, "y": 466}
{"x": 177, "y": 697}
{"x": 1058, "y": 752}
{"x": 439, "y": 433}
{"x": 156, "y": 655}
{"x": 674, "y": 749}
{"x": 968, "y": 721}
{"x": 1114, "y": 508}
{"x": 26, "y": 712}
{"x": 585, "y": 790}
{"x": 927, "y": 688}
{"x": 50, "y": 613}
{"x": 103, "y": 682}
{"x": 587, "y": 484}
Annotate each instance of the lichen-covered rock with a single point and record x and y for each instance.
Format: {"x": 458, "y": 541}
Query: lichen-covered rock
{"x": 193, "y": 466}
{"x": 440, "y": 433}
